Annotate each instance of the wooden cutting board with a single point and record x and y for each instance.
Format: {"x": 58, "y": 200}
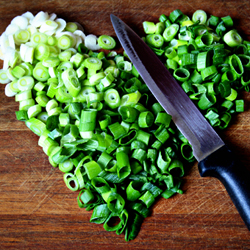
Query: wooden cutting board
{"x": 37, "y": 211}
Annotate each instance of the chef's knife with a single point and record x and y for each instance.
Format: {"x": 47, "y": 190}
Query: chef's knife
{"x": 214, "y": 157}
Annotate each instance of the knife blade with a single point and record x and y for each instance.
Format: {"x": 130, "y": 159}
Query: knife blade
{"x": 214, "y": 157}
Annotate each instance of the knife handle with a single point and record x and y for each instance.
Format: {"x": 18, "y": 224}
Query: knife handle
{"x": 223, "y": 165}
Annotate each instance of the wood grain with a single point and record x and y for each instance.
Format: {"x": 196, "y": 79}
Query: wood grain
{"x": 37, "y": 211}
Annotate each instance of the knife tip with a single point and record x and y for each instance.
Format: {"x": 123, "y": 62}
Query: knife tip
{"x": 112, "y": 17}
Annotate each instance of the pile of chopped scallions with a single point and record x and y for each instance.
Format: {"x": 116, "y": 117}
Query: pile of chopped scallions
{"x": 95, "y": 117}
{"x": 207, "y": 56}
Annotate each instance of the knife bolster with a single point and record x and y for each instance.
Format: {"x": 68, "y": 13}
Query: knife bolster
{"x": 216, "y": 163}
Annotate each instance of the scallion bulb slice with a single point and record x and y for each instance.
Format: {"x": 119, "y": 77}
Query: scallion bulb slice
{"x": 8, "y": 91}
{"x": 21, "y": 36}
{"x": 25, "y": 83}
{"x": 4, "y": 77}
{"x": 38, "y": 38}
{"x": 91, "y": 42}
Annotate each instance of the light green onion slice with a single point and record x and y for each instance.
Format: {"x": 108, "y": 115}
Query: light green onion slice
{"x": 39, "y": 38}
{"x": 208, "y": 72}
{"x": 71, "y": 82}
{"x": 93, "y": 63}
{"x": 170, "y": 32}
{"x": 26, "y": 104}
{"x": 42, "y": 51}
{"x": 199, "y": 15}
{"x": 149, "y": 27}
{"x": 40, "y": 73}
{"x": 232, "y": 96}
{"x": 232, "y": 38}
{"x": 106, "y": 42}
{"x": 64, "y": 42}
{"x": 25, "y": 83}
{"x": 64, "y": 119}
{"x": 21, "y": 36}
{"x": 51, "y": 62}
{"x": 71, "y": 182}
{"x": 155, "y": 40}
{"x": 35, "y": 125}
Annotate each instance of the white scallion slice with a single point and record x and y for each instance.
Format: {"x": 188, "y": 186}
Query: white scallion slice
{"x": 8, "y": 91}
{"x": 4, "y": 77}
{"x": 20, "y": 21}
{"x": 53, "y": 16}
{"x": 91, "y": 42}
{"x": 32, "y": 30}
{"x": 4, "y": 42}
{"x": 29, "y": 16}
{"x": 80, "y": 33}
{"x": 61, "y": 25}
{"x": 48, "y": 25}
{"x": 11, "y": 29}
{"x": 40, "y": 18}
{"x": 11, "y": 41}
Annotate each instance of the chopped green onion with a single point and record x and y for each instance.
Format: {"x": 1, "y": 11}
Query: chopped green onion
{"x": 71, "y": 82}
{"x": 199, "y": 15}
{"x": 3, "y": 77}
{"x": 64, "y": 42}
{"x": 149, "y": 27}
{"x": 170, "y": 32}
{"x": 175, "y": 15}
{"x": 106, "y": 42}
{"x": 96, "y": 118}
{"x": 232, "y": 38}
{"x": 25, "y": 83}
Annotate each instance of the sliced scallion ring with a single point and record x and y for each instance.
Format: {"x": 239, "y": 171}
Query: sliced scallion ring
{"x": 21, "y": 36}
{"x": 199, "y": 15}
{"x": 3, "y": 76}
{"x": 64, "y": 42}
{"x": 93, "y": 63}
{"x": 25, "y": 83}
{"x": 71, "y": 82}
{"x": 112, "y": 98}
{"x": 106, "y": 42}
{"x": 170, "y": 32}
{"x": 232, "y": 38}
